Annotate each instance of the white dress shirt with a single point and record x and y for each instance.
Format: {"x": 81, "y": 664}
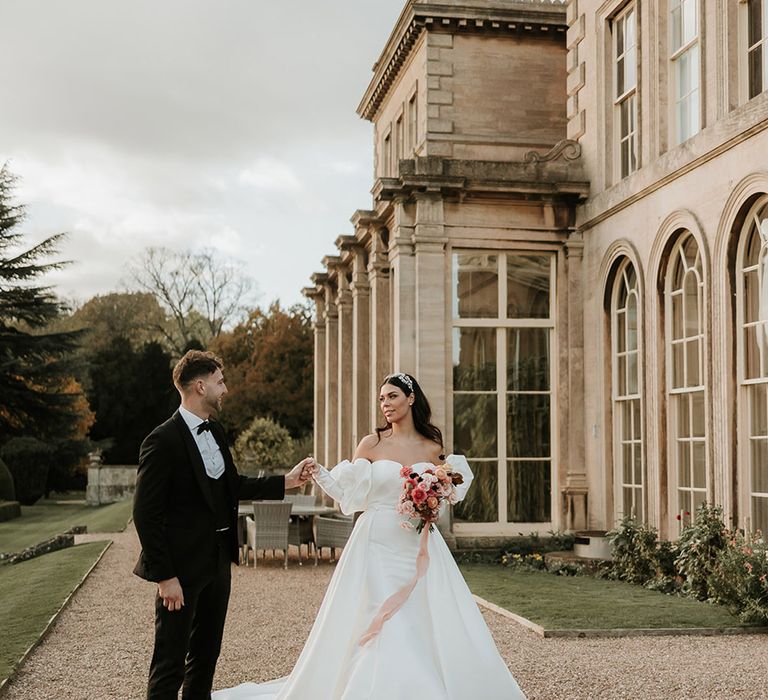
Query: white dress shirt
{"x": 206, "y": 443}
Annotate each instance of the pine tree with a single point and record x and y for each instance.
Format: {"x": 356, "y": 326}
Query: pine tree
{"x": 36, "y": 395}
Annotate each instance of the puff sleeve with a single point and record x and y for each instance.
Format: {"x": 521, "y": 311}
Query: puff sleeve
{"x": 458, "y": 463}
{"x": 348, "y": 483}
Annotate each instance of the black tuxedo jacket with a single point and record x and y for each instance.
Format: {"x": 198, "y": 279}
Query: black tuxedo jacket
{"x": 173, "y": 508}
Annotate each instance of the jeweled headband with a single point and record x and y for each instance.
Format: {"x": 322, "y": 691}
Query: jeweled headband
{"x": 405, "y": 379}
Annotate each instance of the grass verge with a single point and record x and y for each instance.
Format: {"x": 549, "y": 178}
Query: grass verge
{"x": 583, "y": 602}
{"x": 33, "y": 591}
{"x": 46, "y": 519}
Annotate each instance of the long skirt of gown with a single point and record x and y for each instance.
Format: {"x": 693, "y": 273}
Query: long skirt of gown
{"x": 436, "y": 647}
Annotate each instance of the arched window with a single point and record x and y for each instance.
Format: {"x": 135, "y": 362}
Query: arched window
{"x": 627, "y": 404}
{"x": 752, "y": 365}
{"x": 686, "y": 377}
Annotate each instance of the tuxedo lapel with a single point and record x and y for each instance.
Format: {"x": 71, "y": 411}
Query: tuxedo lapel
{"x": 230, "y": 470}
{"x": 195, "y": 459}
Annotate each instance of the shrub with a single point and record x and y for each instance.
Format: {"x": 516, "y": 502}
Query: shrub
{"x": 634, "y": 547}
{"x": 739, "y": 578}
{"x": 29, "y": 460}
{"x": 264, "y": 444}
{"x": 7, "y": 490}
{"x": 699, "y": 546}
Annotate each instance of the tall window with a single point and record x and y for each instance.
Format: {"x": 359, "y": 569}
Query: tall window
{"x": 752, "y": 315}
{"x": 686, "y": 379}
{"x": 413, "y": 123}
{"x": 625, "y": 98}
{"x": 386, "y": 155}
{"x": 685, "y": 67}
{"x": 627, "y": 400}
{"x": 399, "y": 141}
{"x": 502, "y": 415}
{"x": 757, "y": 46}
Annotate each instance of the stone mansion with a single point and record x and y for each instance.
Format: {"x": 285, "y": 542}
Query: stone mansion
{"x": 567, "y": 245}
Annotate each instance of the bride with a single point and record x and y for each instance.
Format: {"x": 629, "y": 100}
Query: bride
{"x": 436, "y": 646}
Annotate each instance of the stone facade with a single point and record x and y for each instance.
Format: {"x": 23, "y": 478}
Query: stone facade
{"x": 556, "y": 249}
{"x": 110, "y": 483}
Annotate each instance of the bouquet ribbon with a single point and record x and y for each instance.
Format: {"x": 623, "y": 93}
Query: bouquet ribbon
{"x": 392, "y": 604}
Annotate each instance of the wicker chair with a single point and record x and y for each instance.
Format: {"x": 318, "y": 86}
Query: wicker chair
{"x": 332, "y": 531}
{"x": 301, "y": 530}
{"x": 268, "y": 529}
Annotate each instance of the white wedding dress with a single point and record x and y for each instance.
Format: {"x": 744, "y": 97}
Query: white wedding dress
{"x": 436, "y": 647}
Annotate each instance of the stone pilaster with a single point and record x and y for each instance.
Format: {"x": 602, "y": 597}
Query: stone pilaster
{"x": 403, "y": 292}
{"x": 361, "y": 346}
{"x": 430, "y": 304}
{"x": 575, "y": 489}
{"x": 344, "y": 368}
{"x": 331, "y": 399}
{"x": 317, "y": 295}
{"x": 380, "y": 319}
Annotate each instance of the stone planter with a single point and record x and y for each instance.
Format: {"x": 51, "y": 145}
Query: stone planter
{"x": 109, "y": 483}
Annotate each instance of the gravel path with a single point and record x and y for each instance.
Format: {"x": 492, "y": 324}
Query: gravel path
{"x": 100, "y": 646}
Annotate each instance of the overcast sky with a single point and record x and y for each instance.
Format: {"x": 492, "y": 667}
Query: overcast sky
{"x": 228, "y": 124}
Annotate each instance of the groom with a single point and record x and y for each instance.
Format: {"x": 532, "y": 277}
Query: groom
{"x": 185, "y": 512}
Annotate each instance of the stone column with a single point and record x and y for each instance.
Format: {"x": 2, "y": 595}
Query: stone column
{"x": 331, "y": 402}
{"x": 403, "y": 292}
{"x": 380, "y": 320}
{"x": 430, "y": 304}
{"x": 317, "y": 296}
{"x": 361, "y": 346}
{"x": 344, "y": 368}
{"x": 575, "y": 489}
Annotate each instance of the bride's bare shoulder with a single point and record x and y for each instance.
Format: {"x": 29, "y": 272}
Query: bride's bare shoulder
{"x": 366, "y": 446}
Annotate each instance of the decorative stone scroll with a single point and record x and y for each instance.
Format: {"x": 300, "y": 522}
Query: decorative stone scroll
{"x": 567, "y": 149}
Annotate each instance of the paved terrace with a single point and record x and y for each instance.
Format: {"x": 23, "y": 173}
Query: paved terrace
{"x": 100, "y": 646}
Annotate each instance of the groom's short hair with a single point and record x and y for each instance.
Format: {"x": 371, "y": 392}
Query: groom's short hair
{"x": 195, "y": 364}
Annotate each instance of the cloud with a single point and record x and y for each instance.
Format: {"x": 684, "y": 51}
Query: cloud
{"x": 270, "y": 175}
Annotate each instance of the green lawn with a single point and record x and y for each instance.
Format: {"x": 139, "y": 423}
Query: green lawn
{"x": 46, "y": 519}
{"x": 583, "y": 602}
{"x": 31, "y": 592}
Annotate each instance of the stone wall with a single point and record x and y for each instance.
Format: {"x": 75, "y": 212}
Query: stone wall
{"x": 109, "y": 483}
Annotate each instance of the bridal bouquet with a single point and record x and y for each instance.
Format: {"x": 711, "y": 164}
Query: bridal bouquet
{"x": 424, "y": 494}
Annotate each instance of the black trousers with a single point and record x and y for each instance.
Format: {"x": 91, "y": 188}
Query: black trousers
{"x": 188, "y": 641}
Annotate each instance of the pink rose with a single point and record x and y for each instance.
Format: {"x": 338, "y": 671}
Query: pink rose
{"x": 418, "y": 495}
{"x": 405, "y": 472}
{"x": 432, "y": 502}
{"x": 441, "y": 474}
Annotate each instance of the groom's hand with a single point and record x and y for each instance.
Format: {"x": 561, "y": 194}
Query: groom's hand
{"x": 300, "y": 474}
{"x": 171, "y": 593}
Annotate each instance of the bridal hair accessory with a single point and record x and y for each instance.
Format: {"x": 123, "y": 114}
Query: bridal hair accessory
{"x": 423, "y": 496}
{"x": 405, "y": 379}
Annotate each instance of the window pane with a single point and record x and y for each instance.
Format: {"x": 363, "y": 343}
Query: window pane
{"x": 621, "y": 375}
{"x": 678, "y": 365}
{"x": 684, "y": 464}
{"x": 528, "y": 359}
{"x": 690, "y": 20}
{"x": 474, "y": 424}
{"x": 528, "y": 286}
{"x": 760, "y": 514}
{"x": 755, "y": 21}
{"x": 528, "y": 492}
{"x": 474, "y": 359}
{"x": 528, "y": 425}
{"x": 755, "y": 71}
{"x": 684, "y": 504}
{"x": 626, "y": 458}
{"x": 759, "y": 465}
{"x": 698, "y": 414}
{"x": 683, "y": 416}
{"x": 691, "y": 305}
{"x": 481, "y": 502}
{"x": 620, "y": 78}
{"x": 751, "y": 353}
{"x": 621, "y": 331}
{"x": 632, "y": 360}
{"x": 637, "y": 433}
{"x": 638, "y": 465}
{"x": 751, "y": 296}
{"x": 632, "y": 322}
{"x": 693, "y": 378}
{"x": 752, "y": 255}
{"x": 699, "y": 465}
{"x": 677, "y": 25}
{"x": 677, "y": 316}
{"x": 758, "y": 409}
{"x": 698, "y": 498}
{"x": 476, "y": 285}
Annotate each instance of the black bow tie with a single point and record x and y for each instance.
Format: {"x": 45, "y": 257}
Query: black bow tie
{"x": 205, "y": 425}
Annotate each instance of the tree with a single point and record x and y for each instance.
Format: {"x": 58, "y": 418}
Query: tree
{"x": 268, "y": 366}
{"x": 201, "y": 292}
{"x": 35, "y": 365}
{"x": 131, "y": 392}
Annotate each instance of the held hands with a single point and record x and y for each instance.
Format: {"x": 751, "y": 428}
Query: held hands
{"x": 301, "y": 473}
{"x": 171, "y": 593}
